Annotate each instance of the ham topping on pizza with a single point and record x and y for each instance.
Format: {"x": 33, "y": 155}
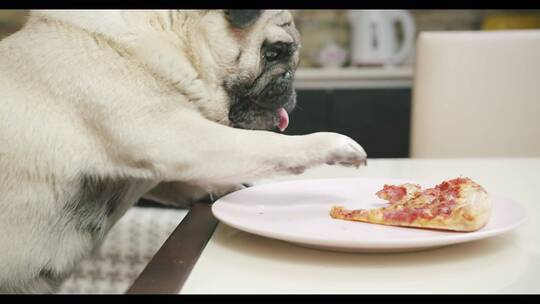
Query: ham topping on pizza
{"x": 442, "y": 199}
{"x": 392, "y": 194}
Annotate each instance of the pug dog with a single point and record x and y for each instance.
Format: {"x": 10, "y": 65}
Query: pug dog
{"x": 101, "y": 108}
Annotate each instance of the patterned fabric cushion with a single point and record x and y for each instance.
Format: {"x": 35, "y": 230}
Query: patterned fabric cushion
{"x": 127, "y": 249}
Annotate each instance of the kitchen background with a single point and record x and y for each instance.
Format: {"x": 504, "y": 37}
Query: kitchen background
{"x": 365, "y": 98}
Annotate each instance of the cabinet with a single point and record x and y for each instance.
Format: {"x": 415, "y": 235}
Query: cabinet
{"x": 377, "y": 118}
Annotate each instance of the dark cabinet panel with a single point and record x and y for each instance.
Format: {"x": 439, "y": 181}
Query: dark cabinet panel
{"x": 312, "y": 113}
{"x": 378, "y": 119}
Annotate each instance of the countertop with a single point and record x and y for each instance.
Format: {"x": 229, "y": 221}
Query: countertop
{"x": 354, "y": 77}
{"x": 238, "y": 262}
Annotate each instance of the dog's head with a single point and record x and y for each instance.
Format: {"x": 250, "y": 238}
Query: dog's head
{"x": 262, "y": 96}
{"x": 236, "y": 66}
{"x": 257, "y": 53}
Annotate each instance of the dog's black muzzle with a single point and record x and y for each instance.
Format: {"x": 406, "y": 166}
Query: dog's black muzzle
{"x": 277, "y": 93}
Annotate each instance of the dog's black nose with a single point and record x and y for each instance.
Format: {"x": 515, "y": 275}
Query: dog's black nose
{"x": 287, "y": 76}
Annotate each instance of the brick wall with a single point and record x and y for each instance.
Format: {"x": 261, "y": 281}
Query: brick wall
{"x": 317, "y": 27}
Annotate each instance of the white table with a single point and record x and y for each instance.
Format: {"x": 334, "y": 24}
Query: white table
{"x": 238, "y": 262}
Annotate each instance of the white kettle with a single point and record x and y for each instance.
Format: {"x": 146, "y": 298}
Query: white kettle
{"x": 374, "y": 37}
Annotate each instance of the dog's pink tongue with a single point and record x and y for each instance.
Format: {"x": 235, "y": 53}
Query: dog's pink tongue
{"x": 283, "y": 119}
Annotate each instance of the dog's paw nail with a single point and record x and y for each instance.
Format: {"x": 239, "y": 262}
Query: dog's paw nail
{"x": 297, "y": 170}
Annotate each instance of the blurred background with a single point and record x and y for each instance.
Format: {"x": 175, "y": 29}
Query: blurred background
{"x": 357, "y": 69}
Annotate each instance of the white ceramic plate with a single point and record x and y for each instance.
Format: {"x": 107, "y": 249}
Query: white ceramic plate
{"x": 298, "y": 212}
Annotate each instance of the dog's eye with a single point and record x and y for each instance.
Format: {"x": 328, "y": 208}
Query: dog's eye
{"x": 271, "y": 55}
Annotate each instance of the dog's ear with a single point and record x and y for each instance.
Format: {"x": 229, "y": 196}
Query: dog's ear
{"x": 242, "y": 18}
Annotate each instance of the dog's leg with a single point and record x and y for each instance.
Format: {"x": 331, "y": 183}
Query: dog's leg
{"x": 192, "y": 149}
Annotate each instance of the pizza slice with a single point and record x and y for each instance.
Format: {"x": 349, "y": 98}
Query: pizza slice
{"x": 459, "y": 204}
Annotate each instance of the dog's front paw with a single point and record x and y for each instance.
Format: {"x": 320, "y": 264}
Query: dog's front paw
{"x": 343, "y": 151}
{"x": 338, "y": 149}
{"x": 324, "y": 148}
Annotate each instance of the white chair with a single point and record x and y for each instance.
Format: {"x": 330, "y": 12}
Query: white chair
{"x": 476, "y": 94}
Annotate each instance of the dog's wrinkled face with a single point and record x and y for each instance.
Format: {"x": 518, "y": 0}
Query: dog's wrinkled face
{"x": 261, "y": 93}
